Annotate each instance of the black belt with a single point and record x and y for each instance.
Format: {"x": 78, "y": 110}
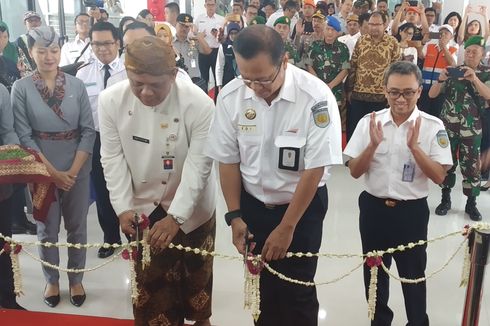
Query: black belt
{"x": 391, "y": 203}
{"x": 260, "y": 204}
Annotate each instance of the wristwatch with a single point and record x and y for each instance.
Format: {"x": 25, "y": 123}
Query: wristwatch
{"x": 230, "y": 216}
{"x": 178, "y": 220}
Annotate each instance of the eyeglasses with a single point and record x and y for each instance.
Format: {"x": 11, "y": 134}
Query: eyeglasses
{"x": 262, "y": 83}
{"x": 100, "y": 45}
{"x": 83, "y": 22}
{"x": 407, "y": 94}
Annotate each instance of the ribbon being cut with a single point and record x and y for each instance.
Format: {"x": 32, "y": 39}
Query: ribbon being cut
{"x": 24, "y": 165}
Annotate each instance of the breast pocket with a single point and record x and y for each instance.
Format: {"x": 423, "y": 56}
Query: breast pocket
{"x": 291, "y": 152}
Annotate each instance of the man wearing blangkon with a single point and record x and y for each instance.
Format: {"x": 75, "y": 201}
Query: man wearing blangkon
{"x": 153, "y": 129}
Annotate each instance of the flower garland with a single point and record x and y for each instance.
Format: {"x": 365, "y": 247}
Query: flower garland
{"x": 14, "y": 256}
{"x": 253, "y": 267}
{"x": 254, "y": 264}
{"x": 373, "y": 263}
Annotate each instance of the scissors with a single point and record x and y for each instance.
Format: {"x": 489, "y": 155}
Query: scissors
{"x": 248, "y": 242}
{"x": 136, "y": 227}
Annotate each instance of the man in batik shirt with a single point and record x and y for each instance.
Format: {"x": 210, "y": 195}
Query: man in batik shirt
{"x": 328, "y": 59}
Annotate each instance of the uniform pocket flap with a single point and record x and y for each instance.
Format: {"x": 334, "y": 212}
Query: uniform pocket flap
{"x": 290, "y": 141}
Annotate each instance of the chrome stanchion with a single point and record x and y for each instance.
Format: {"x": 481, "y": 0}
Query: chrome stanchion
{"x": 479, "y": 259}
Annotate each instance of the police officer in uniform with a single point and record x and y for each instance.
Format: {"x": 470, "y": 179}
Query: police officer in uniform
{"x": 398, "y": 150}
{"x": 276, "y": 129}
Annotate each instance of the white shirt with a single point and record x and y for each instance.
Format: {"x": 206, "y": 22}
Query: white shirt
{"x": 137, "y": 139}
{"x": 434, "y": 28}
{"x": 220, "y": 66}
{"x": 350, "y": 41}
{"x": 71, "y": 50}
{"x": 384, "y": 177}
{"x": 93, "y": 78}
{"x": 257, "y": 144}
{"x": 206, "y": 24}
{"x": 410, "y": 52}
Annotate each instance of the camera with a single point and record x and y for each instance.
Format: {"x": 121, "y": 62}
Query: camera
{"x": 93, "y": 3}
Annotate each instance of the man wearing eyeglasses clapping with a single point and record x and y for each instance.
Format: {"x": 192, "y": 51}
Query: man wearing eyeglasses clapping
{"x": 398, "y": 150}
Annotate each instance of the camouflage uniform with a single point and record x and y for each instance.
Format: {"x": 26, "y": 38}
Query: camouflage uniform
{"x": 328, "y": 60}
{"x": 461, "y": 114}
{"x": 292, "y": 52}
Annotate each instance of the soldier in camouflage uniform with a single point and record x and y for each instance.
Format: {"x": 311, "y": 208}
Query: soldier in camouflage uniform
{"x": 328, "y": 59}
{"x": 283, "y": 26}
{"x": 464, "y": 100}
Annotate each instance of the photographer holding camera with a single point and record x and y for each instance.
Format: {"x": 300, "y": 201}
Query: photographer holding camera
{"x": 465, "y": 90}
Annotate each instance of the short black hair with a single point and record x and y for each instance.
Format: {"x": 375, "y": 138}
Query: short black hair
{"x": 290, "y": 4}
{"x": 173, "y": 6}
{"x": 79, "y": 15}
{"x": 139, "y": 25}
{"x": 402, "y": 68}
{"x": 430, "y": 9}
{"x": 257, "y": 39}
{"x": 143, "y": 13}
{"x": 364, "y": 18}
{"x": 398, "y": 5}
{"x": 385, "y": 1}
{"x": 251, "y": 6}
{"x": 103, "y": 11}
{"x": 103, "y": 27}
{"x": 123, "y": 21}
{"x": 270, "y": 3}
{"x": 380, "y": 14}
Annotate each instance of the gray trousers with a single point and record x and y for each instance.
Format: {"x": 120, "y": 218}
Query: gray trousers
{"x": 73, "y": 206}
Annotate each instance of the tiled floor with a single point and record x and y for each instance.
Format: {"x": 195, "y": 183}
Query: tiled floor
{"x": 342, "y": 303}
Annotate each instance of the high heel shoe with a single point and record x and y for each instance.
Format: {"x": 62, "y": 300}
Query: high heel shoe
{"x": 78, "y": 300}
{"x": 51, "y": 301}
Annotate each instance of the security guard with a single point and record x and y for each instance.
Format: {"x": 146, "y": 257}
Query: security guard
{"x": 398, "y": 150}
{"x": 464, "y": 102}
{"x": 275, "y": 131}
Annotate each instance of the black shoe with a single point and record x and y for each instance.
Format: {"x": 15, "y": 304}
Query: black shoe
{"x": 52, "y": 301}
{"x": 18, "y": 229}
{"x": 105, "y": 252}
{"x": 78, "y": 300}
{"x": 12, "y": 305}
{"x": 445, "y": 204}
{"x": 471, "y": 209}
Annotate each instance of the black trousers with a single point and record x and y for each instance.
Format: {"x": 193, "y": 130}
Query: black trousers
{"x": 384, "y": 227}
{"x": 356, "y": 110}
{"x": 18, "y": 202}
{"x": 107, "y": 217}
{"x": 283, "y": 303}
{"x": 432, "y": 106}
{"x": 7, "y": 295}
{"x": 207, "y": 61}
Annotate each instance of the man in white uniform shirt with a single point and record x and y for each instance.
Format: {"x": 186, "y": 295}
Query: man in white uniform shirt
{"x": 153, "y": 129}
{"x": 353, "y": 33}
{"x": 210, "y": 24}
{"x": 73, "y": 49}
{"x": 275, "y": 132}
{"x": 105, "y": 43}
{"x": 398, "y": 150}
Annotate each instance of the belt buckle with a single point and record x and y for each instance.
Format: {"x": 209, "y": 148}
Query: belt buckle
{"x": 390, "y": 203}
{"x": 270, "y": 206}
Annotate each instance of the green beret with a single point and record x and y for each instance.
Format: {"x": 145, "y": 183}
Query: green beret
{"x": 258, "y": 20}
{"x": 475, "y": 40}
{"x": 283, "y": 20}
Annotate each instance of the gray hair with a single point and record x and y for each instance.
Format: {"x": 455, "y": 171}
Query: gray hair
{"x": 402, "y": 68}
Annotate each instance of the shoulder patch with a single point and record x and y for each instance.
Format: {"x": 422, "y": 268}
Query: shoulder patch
{"x": 320, "y": 114}
{"x": 442, "y": 138}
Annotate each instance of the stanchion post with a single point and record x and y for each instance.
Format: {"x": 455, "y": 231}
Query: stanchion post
{"x": 479, "y": 259}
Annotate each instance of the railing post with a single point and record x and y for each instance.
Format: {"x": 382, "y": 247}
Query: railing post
{"x": 479, "y": 259}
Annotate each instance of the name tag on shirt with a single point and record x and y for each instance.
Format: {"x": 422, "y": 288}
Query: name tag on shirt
{"x": 141, "y": 139}
{"x": 247, "y": 129}
{"x": 289, "y": 158}
{"x": 168, "y": 163}
{"x": 408, "y": 171}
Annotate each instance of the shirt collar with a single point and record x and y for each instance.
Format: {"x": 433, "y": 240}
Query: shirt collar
{"x": 78, "y": 39}
{"x": 113, "y": 65}
{"x": 386, "y": 118}
{"x": 287, "y": 92}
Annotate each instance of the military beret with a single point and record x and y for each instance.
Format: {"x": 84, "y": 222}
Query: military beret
{"x": 258, "y": 20}
{"x": 475, "y": 40}
{"x": 283, "y": 20}
{"x": 334, "y": 23}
